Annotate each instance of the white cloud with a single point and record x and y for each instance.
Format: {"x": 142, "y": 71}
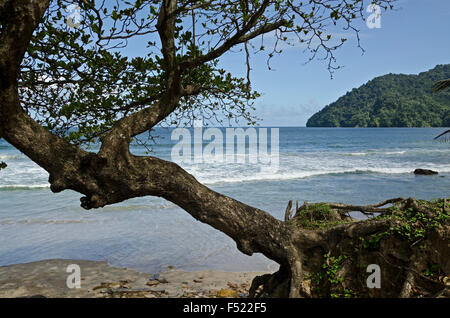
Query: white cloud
{"x": 284, "y": 115}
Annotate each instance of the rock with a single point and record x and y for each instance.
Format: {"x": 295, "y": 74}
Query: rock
{"x": 306, "y": 286}
{"x": 157, "y": 277}
{"x": 162, "y": 280}
{"x": 115, "y": 285}
{"x": 153, "y": 282}
{"x": 231, "y": 285}
{"x": 197, "y": 281}
{"x": 126, "y": 281}
{"x": 154, "y": 277}
{"x": 425, "y": 172}
{"x": 101, "y": 286}
{"x": 227, "y": 293}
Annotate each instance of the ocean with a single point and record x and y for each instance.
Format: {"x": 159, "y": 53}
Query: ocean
{"x": 351, "y": 165}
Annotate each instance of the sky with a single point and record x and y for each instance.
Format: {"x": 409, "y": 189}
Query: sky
{"x": 413, "y": 38}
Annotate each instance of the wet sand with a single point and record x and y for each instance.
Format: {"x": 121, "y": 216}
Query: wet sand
{"x": 48, "y": 278}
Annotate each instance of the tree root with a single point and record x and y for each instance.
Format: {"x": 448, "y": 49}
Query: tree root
{"x": 343, "y": 208}
{"x": 366, "y": 209}
{"x": 406, "y": 241}
{"x": 274, "y": 285}
{"x": 407, "y": 289}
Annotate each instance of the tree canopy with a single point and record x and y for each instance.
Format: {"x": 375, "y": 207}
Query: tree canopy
{"x": 77, "y": 80}
{"x": 392, "y": 100}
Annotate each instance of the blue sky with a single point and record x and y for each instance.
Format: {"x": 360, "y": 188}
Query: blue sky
{"x": 413, "y": 38}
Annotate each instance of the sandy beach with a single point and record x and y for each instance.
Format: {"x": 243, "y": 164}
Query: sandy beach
{"x": 48, "y": 278}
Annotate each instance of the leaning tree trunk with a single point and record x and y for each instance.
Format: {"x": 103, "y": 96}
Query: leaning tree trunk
{"x": 320, "y": 250}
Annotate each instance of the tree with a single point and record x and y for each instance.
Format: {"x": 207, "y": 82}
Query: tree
{"x": 392, "y": 100}
{"x": 54, "y": 79}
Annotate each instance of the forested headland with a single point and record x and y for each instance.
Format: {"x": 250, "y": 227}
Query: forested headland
{"x": 392, "y": 100}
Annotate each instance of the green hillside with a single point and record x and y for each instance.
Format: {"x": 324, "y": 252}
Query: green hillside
{"x": 392, "y": 100}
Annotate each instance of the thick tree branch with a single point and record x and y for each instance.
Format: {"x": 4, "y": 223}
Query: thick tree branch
{"x": 18, "y": 20}
{"x": 128, "y": 127}
{"x": 166, "y": 30}
{"x": 16, "y": 126}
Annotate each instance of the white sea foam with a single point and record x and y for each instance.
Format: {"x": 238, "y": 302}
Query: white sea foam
{"x": 294, "y": 164}
{"x": 372, "y": 153}
{"x": 11, "y": 157}
{"x": 356, "y": 154}
{"x": 23, "y": 186}
{"x": 395, "y": 152}
{"x": 14, "y": 222}
{"x": 292, "y": 175}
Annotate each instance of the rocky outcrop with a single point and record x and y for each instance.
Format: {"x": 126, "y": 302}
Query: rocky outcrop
{"x": 425, "y": 172}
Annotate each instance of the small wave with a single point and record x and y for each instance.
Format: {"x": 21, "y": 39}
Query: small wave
{"x": 356, "y": 154}
{"x": 45, "y": 222}
{"x": 11, "y": 157}
{"x": 395, "y": 152}
{"x": 11, "y": 187}
{"x": 375, "y": 153}
{"x": 309, "y": 174}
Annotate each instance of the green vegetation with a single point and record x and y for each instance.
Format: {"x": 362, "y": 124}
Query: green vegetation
{"x": 392, "y": 100}
{"x": 410, "y": 227}
{"x": 373, "y": 242}
{"x": 318, "y": 215}
{"x": 433, "y": 271}
{"x": 328, "y": 275}
{"x": 412, "y": 223}
{"x": 331, "y": 267}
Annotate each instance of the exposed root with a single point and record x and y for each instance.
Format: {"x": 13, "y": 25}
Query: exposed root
{"x": 366, "y": 209}
{"x": 408, "y": 241}
{"x": 407, "y": 289}
{"x": 258, "y": 282}
{"x": 274, "y": 285}
{"x": 288, "y": 212}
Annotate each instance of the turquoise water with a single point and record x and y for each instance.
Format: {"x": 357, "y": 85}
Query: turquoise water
{"x": 351, "y": 165}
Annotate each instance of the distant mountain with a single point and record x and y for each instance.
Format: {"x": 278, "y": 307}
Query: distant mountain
{"x": 392, "y": 100}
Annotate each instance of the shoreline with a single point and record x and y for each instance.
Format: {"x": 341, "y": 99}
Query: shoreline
{"x": 48, "y": 278}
